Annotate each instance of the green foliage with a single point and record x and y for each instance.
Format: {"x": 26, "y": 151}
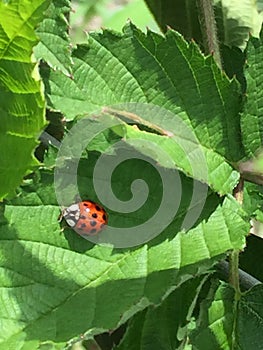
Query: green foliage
{"x": 62, "y": 274}
{"x": 250, "y": 313}
{"x": 216, "y": 323}
{"x": 154, "y": 130}
{"x": 54, "y": 44}
{"x": 236, "y": 20}
{"x": 252, "y": 118}
{"x": 21, "y": 93}
{"x": 123, "y": 80}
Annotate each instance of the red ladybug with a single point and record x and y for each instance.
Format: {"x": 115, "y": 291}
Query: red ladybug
{"x": 86, "y": 217}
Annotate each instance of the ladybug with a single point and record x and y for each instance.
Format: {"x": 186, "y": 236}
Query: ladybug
{"x": 86, "y": 217}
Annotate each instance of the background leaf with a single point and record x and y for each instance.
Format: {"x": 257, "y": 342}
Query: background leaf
{"x": 216, "y": 321}
{"x": 137, "y": 12}
{"x": 250, "y": 314}
{"x": 251, "y": 119}
{"x": 237, "y": 20}
{"x": 158, "y": 327}
{"x": 54, "y": 44}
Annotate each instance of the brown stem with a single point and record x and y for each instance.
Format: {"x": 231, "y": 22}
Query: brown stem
{"x": 209, "y": 30}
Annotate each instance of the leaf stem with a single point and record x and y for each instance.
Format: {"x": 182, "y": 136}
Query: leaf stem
{"x": 234, "y": 256}
{"x": 233, "y": 270}
{"x": 209, "y": 30}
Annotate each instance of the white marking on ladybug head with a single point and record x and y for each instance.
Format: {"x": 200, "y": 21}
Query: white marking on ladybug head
{"x": 73, "y": 207}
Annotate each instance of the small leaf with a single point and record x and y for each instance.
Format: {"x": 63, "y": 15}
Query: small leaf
{"x": 162, "y": 327}
{"x": 54, "y": 45}
{"x": 237, "y": 20}
{"x": 216, "y": 322}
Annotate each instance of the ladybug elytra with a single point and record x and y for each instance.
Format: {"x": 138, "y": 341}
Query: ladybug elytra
{"x": 86, "y": 217}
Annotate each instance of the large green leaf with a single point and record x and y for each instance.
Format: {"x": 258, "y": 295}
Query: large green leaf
{"x": 47, "y": 277}
{"x": 21, "y": 94}
{"x": 133, "y": 68}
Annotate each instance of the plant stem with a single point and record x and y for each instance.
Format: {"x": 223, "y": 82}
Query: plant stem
{"x": 233, "y": 270}
{"x": 234, "y": 256}
{"x": 233, "y": 265}
{"x": 209, "y": 30}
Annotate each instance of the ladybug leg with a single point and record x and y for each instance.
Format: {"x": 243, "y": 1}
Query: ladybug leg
{"x": 63, "y": 226}
{"x": 62, "y": 222}
{"x": 60, "y": 217}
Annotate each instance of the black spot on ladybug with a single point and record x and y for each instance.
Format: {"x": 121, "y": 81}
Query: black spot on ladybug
{"x": 83, "y": 225}
{"x": 102, "y": 225}
{"x": 98, "y": 208}
{"x": 93, "y": 223}
{"x": 104, "y": 217}
{"x": 93, "y": 231}
{"x": 94, "y": 215}
{"x": 83, "y": 217}
{"x": 85, "y": 204}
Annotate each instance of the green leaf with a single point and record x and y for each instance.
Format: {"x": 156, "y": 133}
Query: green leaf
{"x": 252, "y": 117}
{"x": 249, "y": 320}
{"x": 226, "y": 323}
{"x": 165, "y": 326}
{"x": 233, "y": 60}
{"x": 200, "y": 163}
{"x": 54, "y": 45}
{"x": 47, "y": 277}
{"x": 21, "y": 93}
{"x": 136, "y": 70}
{"x": 216, "y": 321}
{"x": 237, "y": 20}
{"x": 253, "y": 196}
